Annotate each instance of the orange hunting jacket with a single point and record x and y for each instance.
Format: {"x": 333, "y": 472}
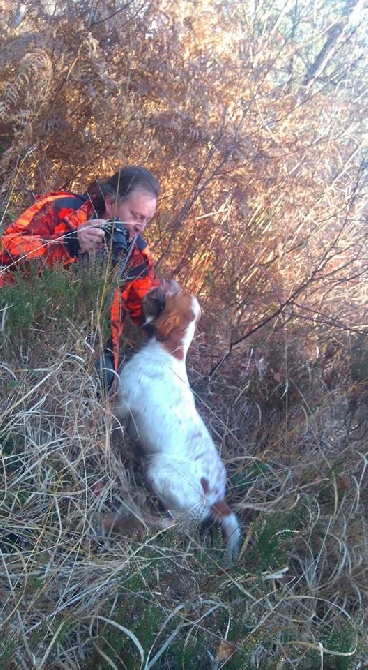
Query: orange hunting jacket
{"x": 46, "y": 231}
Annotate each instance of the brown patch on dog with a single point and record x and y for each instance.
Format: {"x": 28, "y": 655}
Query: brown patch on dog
{"x": 154, "y": 301}
{"x": 205, "y": 485}
{"x": 220, "y": 509}
{"x": 166, "y": 323}
{"x": 170, "y": 327}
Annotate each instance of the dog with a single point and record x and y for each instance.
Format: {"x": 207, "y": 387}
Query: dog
{"x": 182, "y": 465}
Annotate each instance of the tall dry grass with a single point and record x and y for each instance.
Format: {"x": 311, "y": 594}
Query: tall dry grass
{"x": 297, "y": 469}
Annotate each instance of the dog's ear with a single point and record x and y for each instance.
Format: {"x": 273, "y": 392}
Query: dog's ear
{"x": 165, "y": 324}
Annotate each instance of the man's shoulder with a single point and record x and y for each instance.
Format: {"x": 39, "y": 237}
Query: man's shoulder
{"x": 68, "y": 200}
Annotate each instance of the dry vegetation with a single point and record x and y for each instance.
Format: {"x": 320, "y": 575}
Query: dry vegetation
{"x": 253, "y": 116}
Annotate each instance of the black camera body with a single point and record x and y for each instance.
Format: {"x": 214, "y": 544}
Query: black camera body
{"x": 117, "y": 239}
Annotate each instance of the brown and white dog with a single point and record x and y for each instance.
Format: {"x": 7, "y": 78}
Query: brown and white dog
{"x": 183, "y": 466}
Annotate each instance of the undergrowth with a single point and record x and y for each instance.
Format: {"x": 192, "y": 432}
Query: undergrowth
{"x": 297, "y": 597}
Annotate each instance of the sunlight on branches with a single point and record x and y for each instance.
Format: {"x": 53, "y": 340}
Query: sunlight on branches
{"x": 253, "y": 117}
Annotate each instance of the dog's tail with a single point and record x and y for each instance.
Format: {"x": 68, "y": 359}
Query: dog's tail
{"x": 230, "y": 524}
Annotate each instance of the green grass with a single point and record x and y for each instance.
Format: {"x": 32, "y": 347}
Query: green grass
{"x": 48, "y": 305}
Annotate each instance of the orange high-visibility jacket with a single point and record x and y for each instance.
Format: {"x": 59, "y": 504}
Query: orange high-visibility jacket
{"x": 46, "y": 231}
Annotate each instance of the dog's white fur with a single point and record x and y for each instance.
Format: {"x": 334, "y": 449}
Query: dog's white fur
{"x": 183, "y": 466}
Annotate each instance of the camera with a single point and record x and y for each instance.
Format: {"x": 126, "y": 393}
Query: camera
{"x": 116, "y": 236}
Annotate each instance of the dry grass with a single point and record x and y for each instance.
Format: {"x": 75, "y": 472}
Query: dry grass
{"x": 296, "y": 599}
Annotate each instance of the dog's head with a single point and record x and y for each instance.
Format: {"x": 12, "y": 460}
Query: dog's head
{"x": 171, "y": 315}
{"x": 154, "y": 302}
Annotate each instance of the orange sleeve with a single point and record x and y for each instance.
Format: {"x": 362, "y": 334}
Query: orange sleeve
{"x": 44, "y": 230}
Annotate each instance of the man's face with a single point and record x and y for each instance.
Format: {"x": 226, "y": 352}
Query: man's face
{"x": 135, "y": 211}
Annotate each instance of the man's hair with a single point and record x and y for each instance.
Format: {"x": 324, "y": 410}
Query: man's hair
{"x": 121, "y": 184}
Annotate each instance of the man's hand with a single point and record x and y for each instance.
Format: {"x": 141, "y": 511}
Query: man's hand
{"x": 90, "y": 236}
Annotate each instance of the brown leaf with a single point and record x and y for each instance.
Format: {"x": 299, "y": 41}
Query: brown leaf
{"x": 225, "y": 651}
